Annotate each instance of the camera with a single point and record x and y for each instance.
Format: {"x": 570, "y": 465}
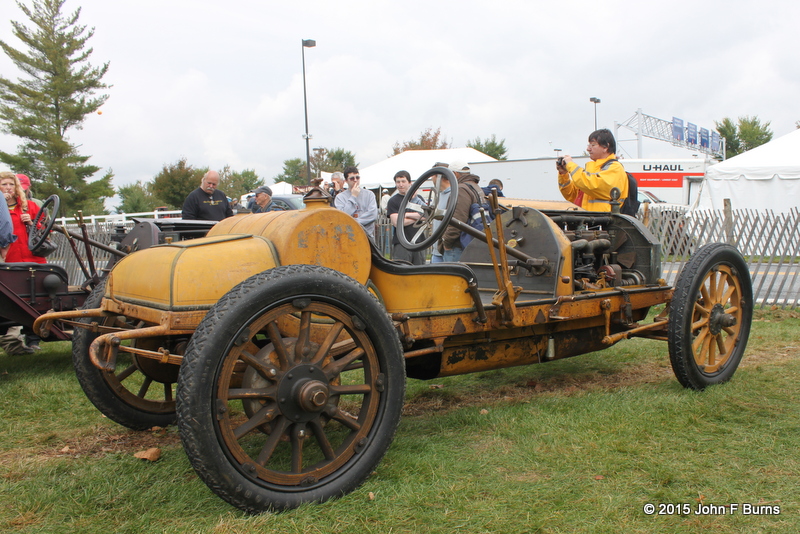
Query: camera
{"x": 560, "y": 162}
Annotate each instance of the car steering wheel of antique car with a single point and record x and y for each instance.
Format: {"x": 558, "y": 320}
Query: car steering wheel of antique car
{"x": 429, "y": 212}
{"x": 43, "y": 223}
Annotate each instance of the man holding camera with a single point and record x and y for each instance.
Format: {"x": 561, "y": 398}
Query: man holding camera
{"x": 590, "y": 188}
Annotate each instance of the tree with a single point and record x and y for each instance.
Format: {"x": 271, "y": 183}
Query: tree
{"x": 55, "y": 97}
{"x": 136, "y": 198}
{"x": 235, "y": 184}
{"x": 294, "y": 172}
{"x": 740, "y": 137}
{"x": 491, "y": 147}
{"x": 335, "y": 159}
{"x": 173, "y": 184}
{"x": 428, "y": 140}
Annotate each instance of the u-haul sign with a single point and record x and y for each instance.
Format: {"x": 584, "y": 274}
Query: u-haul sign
{"x": 669, "y": 179}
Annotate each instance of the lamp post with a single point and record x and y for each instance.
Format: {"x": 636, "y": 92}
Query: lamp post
{"x": 594, "y": 100}
{"x": 307, "y": 43}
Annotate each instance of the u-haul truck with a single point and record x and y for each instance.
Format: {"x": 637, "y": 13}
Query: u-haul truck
{"x": 676, "y": 181}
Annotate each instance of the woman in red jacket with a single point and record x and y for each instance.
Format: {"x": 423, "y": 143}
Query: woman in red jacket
{"x": 23, "y": 213}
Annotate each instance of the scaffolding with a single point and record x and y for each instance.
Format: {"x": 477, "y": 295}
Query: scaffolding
{"x": 646, "y": 126}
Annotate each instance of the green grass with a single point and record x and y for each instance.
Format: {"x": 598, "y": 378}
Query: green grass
{"x": 579, "y": 445}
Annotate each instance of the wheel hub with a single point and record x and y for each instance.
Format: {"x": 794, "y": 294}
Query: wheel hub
{"x": 303, "y": 393}
{"x": 719, "y": 319}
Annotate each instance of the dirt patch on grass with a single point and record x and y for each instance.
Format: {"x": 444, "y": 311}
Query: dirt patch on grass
{"x": 566, "y": 384}
{"x": 113, "y": 441}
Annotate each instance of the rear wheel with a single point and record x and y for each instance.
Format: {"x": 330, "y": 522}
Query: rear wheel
{"x": 710, "y": 315}
{"x": 291, "y": 389}
{"x": 139, "y": 393}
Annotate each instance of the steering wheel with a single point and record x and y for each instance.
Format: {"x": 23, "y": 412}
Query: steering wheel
{"x": 429, "y": 213}
{"x": 38, "y": 234}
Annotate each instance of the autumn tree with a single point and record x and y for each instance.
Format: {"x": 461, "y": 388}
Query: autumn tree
{"x": 55, "y": 95}
{"x": 743, "y": 135}
{"x": 173, "y": 184}
{"x": 491, "y": 147}
{"x": 428, "y": 140}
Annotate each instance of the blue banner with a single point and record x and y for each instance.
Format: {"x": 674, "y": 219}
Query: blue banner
{"x": 715, "y": 141}
{"x": 691, "y": 133}
{"x": 703, "y": 137}
{"x": 677, "y": 129}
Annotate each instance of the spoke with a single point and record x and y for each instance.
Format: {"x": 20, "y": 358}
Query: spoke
{"x": 704, "y": 293}
{"x": 723, "y": 352}
{"x": 347, "y": 420}
{"x": 730, "y": 331}
{"x": 264, "y": 415}
{"x": 330, "y": 339}
{"x": 302, "y": 350}
{"x": 261, "y": 368}
{"x": 699, "y": 309}
{"x": 251, "y": 393}
{"x": 698, "y": 324}
{"x": 700, "y": 341}
{"x": 334, "y": 368}
{"x": 128, "y": 371}
{"x": 322, "y": 439}
{"x": 277, "y": 342}
{"x": 358, "y": 389}
{"x": 272, "y": 442}
{"x": 145, "y": 387}
{"x": 297, "y": 451}
{"x": 722, "y": 280}
{"x": 729, "y": 293}
{"x": 168, "y": 392}
{"x": 711, "y": 346}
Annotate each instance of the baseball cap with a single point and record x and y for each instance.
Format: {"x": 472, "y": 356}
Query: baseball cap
{"x": 24, "y": 181}
{"x": 262, "y": 189}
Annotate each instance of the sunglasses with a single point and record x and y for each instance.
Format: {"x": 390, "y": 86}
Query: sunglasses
{"x": 354, "y": 178}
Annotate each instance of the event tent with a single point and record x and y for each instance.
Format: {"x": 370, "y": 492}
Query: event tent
{"x": 766, "y": 177}
{"x": 381, "y": 174}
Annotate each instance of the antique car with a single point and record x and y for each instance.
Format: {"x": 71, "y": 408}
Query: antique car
{"x": 281, "y": 342}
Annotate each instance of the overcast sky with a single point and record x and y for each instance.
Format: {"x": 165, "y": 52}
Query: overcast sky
{"x": 221, "y": 82}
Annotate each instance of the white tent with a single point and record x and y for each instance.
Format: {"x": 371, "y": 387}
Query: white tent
{"x": 766, "y": 177}
{"x": 415, "y": 162}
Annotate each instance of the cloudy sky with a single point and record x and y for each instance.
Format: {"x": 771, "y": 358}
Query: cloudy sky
{"x": 221, "y": 82}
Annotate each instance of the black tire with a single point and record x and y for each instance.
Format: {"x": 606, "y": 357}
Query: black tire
{"x": 291, "y": 389}
{"x": 710, "y": 316}
{"x": 125, "y": 395}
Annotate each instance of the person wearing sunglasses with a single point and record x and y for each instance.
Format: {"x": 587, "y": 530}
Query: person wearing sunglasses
{"x": 356, "y": 202}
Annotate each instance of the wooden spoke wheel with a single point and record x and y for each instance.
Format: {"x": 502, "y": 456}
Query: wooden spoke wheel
{"x": 291, "y": 389}
{"x": 140, "y": 392}
{"x": 710, "y": 316}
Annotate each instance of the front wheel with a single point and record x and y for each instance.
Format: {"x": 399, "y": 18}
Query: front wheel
{"x": 291, "y": 389}
{"x": 710, "y": 315}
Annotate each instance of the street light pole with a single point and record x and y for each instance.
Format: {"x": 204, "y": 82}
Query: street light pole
{"x": 594, "y": 100}
{"x": 307, "y": 43}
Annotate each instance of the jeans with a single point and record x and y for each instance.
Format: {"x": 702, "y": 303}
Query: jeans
{"x": 452, "y": 255}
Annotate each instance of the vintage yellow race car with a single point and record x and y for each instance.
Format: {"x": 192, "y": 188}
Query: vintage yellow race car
{"x": 281, "y": 342}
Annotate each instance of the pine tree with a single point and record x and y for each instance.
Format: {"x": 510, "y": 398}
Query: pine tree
{"x": 55, "y": 96}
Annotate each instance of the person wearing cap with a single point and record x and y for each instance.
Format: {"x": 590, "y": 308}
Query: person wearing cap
{"x": 25, "y": 182}
{"x": 590, "y": 188}
{"x": 264, "y": 200}
{"x": 468, "y": 194}
{"x": 207, "y": 203}
{"x": 356, "y": 202}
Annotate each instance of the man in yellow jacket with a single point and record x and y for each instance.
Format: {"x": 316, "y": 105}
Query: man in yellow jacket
{"x": 590, "y": 188}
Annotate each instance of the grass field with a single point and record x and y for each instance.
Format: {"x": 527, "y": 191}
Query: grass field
{"x": 579, "y": 445}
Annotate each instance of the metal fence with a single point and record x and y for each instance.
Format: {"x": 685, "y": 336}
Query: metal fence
{"x": 769, "y": 241}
